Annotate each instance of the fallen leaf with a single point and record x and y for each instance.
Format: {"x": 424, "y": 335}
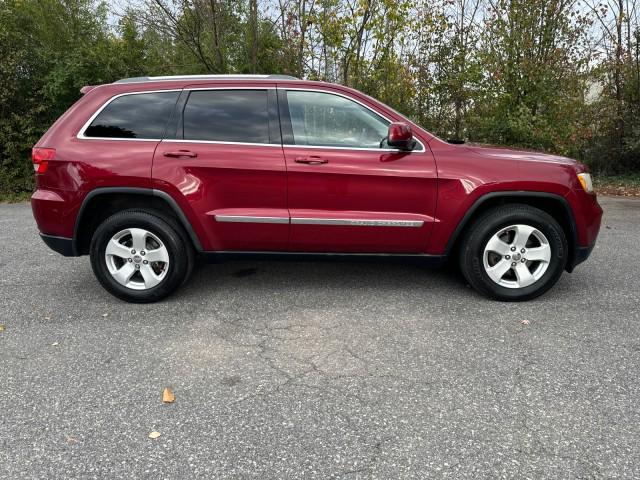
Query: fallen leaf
{"x": 47, "y": 318}
{"x": 168, "y": 396}
{"x": 154, "y": 435}
{"x": 105, "y": 314}
{"x": 72, "y": 440}
{"x": 525, "y": 322}
{"x": 1, "y": 327}
{"x": 55, "y": 344}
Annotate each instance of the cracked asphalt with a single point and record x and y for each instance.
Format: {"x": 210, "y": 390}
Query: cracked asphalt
{"x": 319, "y": 370}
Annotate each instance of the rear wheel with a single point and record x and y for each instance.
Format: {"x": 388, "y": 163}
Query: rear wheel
{"x": 140, "y": 257}
{"x": 514, "y": 252}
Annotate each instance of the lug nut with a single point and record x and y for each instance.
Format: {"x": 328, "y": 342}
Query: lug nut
{"x": 513, "y": 264}
{"x": 507, "y": 257}
{"x": 522, "y": 251}
{"x": 133, "y": 252}
{"x": 137, "y": 267}
{"x": 141, "y": 252}
{"x": 523, "y": 260}
{"x": 513, "y": 249}
{"x": 130, "y": 259}
{"x": 145, "y": 261}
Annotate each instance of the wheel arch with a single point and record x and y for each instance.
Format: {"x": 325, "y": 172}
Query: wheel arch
{"x": 103, "y": 202}
{"x": 555, "y": 205}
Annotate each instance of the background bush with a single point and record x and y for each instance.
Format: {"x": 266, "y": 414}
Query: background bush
{"x": 554, "y": 75}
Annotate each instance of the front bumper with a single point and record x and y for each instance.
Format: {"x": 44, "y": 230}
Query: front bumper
{"x": 580, "y": 254}
{"x": 62, "y": 245}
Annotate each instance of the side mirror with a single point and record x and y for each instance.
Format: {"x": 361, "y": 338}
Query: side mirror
{"x": 400, "y": 136}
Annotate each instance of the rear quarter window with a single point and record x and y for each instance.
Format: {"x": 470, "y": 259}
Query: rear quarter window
{"x": 139, "y": 115}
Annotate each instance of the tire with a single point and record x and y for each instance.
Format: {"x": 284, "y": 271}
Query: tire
{"x": 488, "y": 249}
{"x": 143, "y": 274}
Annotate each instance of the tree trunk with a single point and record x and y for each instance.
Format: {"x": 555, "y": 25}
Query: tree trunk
{"x": 216, "y": 37}
{"x": 253, "y": 32}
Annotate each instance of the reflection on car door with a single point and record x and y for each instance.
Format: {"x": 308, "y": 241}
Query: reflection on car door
{"x": 345, "y": 192}
{"x": 226, "y": 158}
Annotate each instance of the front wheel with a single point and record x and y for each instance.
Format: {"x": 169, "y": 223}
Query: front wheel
{"x": 514, "y": 252}
{"x": 140, "y": 257}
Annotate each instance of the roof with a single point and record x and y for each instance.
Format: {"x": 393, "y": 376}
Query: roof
{"x": 205, "y": 77}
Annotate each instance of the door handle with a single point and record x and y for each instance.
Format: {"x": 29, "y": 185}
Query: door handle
{"x": 311, "y": 160}
{"x": 180, "y": 153}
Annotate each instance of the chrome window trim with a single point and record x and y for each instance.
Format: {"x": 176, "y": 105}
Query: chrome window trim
{"x": 219, "y": 142}
{"x": 81, "y": 135}
{"x": 366, "y": 149}
{"x": 330, "y": 92}
{"x": 250, "y": 219}
{"x": 356, "y": 222}
{"x": 193, "y": 89}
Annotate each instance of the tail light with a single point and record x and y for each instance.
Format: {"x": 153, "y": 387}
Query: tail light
{"x": 40, "y": 158}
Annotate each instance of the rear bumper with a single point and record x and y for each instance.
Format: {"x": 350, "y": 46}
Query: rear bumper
{"x": 62, "y": 245}
{"x": 55, "y": 211}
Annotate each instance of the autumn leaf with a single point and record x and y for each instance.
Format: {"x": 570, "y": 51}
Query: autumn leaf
{"x": 525, "y": 322}
{"x": 1, "y": 328}
{"x": 167, "y": 396}
{"x": 153, "y": 435}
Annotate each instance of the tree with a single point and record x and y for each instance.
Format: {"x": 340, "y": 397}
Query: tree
{"x": 535, "y": 65}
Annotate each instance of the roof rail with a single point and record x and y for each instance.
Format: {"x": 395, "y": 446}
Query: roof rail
{"x": 205, "y": 77}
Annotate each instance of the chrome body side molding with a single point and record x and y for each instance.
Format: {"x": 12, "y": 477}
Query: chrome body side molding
{"x": 249, "y": 219}
{"x": 357, "y": 222}
{"x": 352, "y": 222}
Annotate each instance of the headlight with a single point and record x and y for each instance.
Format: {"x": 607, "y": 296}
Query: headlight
{"x": 585, "y": 181}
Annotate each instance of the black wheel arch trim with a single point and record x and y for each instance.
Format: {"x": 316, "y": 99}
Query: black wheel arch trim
{"x": 573, "y": 231}
{"x": 135, "y": 191}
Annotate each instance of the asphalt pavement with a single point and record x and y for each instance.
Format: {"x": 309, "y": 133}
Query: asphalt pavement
{"x": 319, "y": 370}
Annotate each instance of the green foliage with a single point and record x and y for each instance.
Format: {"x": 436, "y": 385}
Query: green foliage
{"x": 48, "y": 50}
{"x": 511, "y": 72}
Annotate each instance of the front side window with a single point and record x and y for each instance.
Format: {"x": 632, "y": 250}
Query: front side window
{"x": 324, "y": 119}
{"x": 227, "y": 116}
{"x": 141, "y": 115}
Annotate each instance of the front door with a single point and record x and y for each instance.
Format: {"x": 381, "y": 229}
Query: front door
{"x": 347, "y": 191}
{"x": 225, "y": 158}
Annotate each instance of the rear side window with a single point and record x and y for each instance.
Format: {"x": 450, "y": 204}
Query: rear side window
{"x": 140, "y": 115}
{"x": 227, "y": 116}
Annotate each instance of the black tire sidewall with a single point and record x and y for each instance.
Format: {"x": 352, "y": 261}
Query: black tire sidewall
{"x": 473, "y": 251}
{"x": 178, "y": 259}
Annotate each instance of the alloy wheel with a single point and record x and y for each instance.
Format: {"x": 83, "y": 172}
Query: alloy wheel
{"x": 137, "y": 259}
{"x": 517, "y": 256}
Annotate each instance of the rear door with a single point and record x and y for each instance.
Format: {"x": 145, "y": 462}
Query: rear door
{"x": 226, "y": 160}
{"x": 347, "y": 190}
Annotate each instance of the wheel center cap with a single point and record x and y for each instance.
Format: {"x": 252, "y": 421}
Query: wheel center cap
{"x": 516, "y": 257}
{"x": 137, "y": 258}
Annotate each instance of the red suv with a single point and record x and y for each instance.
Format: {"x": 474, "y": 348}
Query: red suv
{"x": 146, "y": 174}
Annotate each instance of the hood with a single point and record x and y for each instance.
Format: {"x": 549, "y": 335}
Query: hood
{"x": 522, "y": 155}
